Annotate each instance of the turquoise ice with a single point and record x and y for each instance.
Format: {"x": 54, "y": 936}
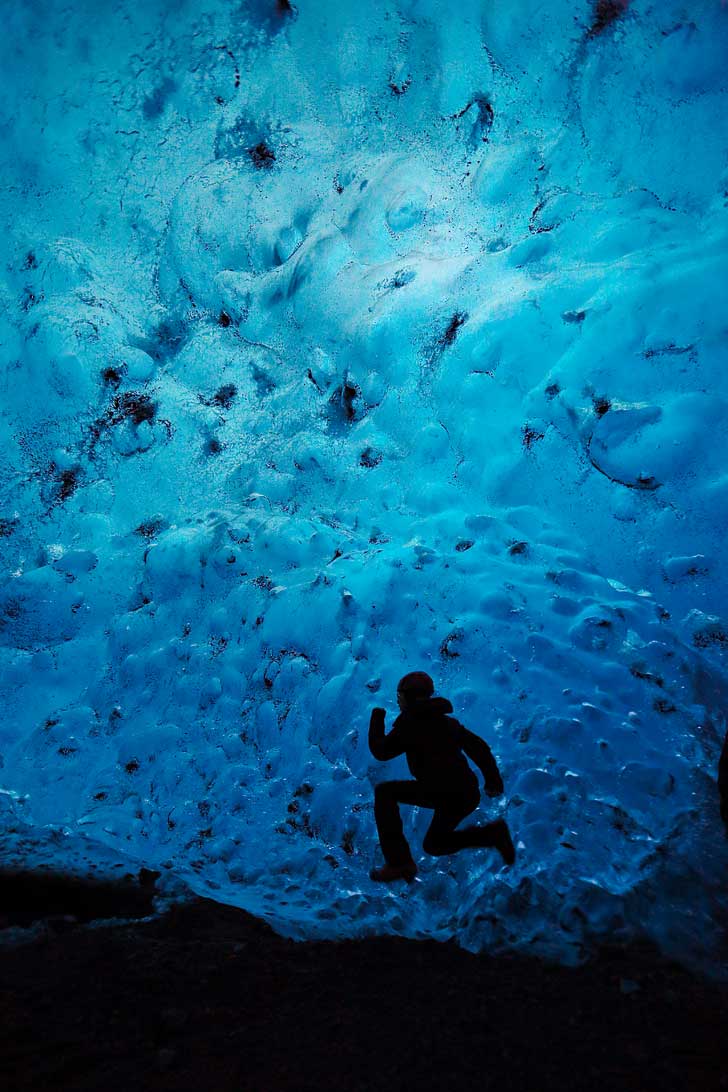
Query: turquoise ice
{"x": 341, "y": 340}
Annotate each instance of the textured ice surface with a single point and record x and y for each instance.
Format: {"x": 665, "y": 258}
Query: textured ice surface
{"x": 341, "y": 340}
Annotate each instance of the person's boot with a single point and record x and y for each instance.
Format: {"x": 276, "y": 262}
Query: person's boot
{"x": 388, "y": 873}
{"x": 503, "y": 842}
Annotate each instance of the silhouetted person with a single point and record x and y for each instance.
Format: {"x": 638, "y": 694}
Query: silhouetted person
{"x": 723, "y": 780}
{"x": 435, "y": 745}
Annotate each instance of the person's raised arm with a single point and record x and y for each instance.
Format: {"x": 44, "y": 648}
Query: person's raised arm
{"x": 384, "y": 746}
{"x": 479, "y": 751}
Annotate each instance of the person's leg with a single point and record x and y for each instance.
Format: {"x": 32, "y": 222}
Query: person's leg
{"x": 450, "y": 810}
{"x": 388, "y": 795}
{"x": 442, "y": 837}
{"x": 495, "y": 835}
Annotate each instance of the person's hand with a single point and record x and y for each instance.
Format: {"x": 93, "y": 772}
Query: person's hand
{"x": 378, "y": 713}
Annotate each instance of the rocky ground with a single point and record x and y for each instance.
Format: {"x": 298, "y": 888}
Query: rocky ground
{"x": 206, "y": 996}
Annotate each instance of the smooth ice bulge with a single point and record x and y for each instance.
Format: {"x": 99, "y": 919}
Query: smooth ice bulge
{"x": 342, "y": 341}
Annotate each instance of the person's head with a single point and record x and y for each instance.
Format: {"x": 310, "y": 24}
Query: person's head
{"x": 413, "y": 688}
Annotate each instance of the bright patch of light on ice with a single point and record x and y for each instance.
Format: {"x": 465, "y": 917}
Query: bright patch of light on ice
{"x": 340, "y": 342}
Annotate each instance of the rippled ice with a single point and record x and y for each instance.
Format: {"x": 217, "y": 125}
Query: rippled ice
{"x": 345, "y": 340}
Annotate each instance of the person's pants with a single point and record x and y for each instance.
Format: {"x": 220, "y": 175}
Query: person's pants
{"x": 442, "y": 837}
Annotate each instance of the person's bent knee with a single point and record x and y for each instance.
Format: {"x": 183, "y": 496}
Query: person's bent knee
{"x": 434, "y": 847}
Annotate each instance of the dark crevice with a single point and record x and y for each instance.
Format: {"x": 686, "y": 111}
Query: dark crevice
{"x": 344, "y": 402}
{"x": 644, "y": 483}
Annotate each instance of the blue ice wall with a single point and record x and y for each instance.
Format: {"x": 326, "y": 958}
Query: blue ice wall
{"x": 340, "y": 340}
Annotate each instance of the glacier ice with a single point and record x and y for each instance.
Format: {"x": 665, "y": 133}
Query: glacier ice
{"x": 343, "y": 340}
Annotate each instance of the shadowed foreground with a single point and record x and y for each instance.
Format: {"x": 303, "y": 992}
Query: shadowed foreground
{"x": 208, "y": 996}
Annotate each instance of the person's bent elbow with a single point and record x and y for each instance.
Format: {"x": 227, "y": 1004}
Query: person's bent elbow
{"x": 376, "y": 734}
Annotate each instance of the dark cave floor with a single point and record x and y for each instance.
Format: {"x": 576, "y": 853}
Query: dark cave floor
{"x": 206, "y": 996}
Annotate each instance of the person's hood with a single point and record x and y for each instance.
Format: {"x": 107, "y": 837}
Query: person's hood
{"x": 426, "y": 710}
{"x": 438, "y": 707}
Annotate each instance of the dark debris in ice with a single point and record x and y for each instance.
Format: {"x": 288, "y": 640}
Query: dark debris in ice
{"x": 448, "y": 338}
{"x": 400, "y": 88}
{"x": 7, "y": 526}
{"x": 518, "y": 549}
{"x": 270, "y": 16}
{"x": 638, "y": 672}
{"x": 112, "y": 376}
{"x": 262, "y": 156}
{"x": 606, "y": 12}
{"x": 66, "y": 483}
{"x": 345, "y": 403}
{"x": 707, "y": 638}
{"x": 150, "y": 528}
{"x": 223, "y": 397}
{"x": 131, "y": 406}
{"x": 448, "y": 648}
{"x": 480, "y": 110}
{"x": 530, "y": 436}
{"x": 369, "y": 458}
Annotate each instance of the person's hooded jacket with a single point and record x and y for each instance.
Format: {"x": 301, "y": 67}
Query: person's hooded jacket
{"x": 435, "y": 745}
